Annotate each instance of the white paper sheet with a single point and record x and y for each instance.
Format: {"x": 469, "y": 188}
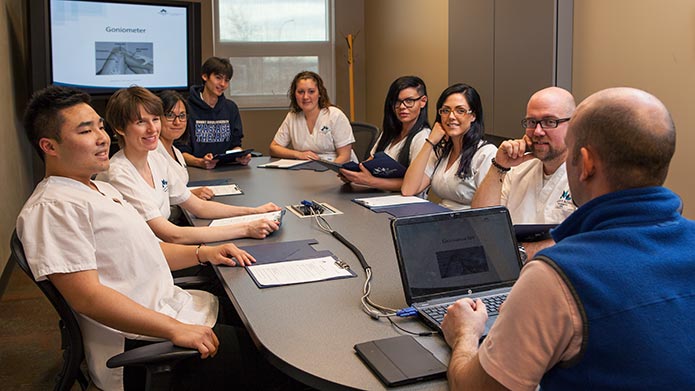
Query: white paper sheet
{"x": 222, "y": 190}
{"x": 296, "y": 272}
{"x": 283, "y": 163}
{"x": 277, "y": 216}
{"x": 375, "y": 202}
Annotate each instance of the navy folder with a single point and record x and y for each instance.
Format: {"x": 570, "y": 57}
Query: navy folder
{"x": 382, "y": 166}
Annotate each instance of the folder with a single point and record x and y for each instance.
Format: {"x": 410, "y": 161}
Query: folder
{"x": 400, "y": 206}
{"x": 382, "y": 166}
{"x": 231, "y": 155}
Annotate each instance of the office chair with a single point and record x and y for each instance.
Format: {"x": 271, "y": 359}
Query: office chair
{"x": 365, "y": 137}
{"x": 158, "y": 358}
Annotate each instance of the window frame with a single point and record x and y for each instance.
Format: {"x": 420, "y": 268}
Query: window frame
{"x": 324, "y": 50}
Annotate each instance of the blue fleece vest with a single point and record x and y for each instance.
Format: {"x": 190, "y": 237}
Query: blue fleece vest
{"x": 629, "y": 259}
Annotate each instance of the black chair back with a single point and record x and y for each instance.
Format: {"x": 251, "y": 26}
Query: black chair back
{"x": 365, "y": 137}
{"x": 73, "y": 350}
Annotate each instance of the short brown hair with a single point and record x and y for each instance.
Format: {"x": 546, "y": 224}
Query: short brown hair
{"x": 124, "y": 106}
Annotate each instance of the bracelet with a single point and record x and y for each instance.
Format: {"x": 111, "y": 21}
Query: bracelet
{"x": 430, "y": 142}
{"x": 197, "y": 254}
{"x": 502, "y": 169}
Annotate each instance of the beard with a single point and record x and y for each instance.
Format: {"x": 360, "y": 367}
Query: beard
{"x": 548, "y": 154}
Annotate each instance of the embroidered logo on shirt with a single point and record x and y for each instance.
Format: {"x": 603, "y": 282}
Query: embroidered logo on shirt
{"x": 565, "y": 200}
{"x": 165, "y": 185}
{"x": 325, "y": 129}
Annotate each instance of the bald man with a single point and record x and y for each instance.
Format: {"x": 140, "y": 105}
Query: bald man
{"x": 528, "y": 174}
{"x": 612, "y": 304}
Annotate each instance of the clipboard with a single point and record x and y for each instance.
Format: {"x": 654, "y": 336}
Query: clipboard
{"x": 295, "y": 257}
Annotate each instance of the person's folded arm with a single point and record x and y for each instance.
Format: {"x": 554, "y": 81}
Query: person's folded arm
{"x": 215, "y": 210}
{"x": 87, "y": 296}
{"x": 180, "y": 256}
{"x": 277, "y": 150}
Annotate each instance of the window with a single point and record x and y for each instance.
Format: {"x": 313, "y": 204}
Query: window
{"x": 270, "y": 41}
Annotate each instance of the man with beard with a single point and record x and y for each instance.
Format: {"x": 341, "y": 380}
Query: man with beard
{"x": 528, "y": 175}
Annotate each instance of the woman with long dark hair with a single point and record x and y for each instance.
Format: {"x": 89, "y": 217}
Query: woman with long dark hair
{"x": 462, "y": 157}
{"x": 404, "y": 131}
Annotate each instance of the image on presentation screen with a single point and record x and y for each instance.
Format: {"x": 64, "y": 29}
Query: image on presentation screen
{"x": 123, "y": 58}
{"x": 462, "y": 261}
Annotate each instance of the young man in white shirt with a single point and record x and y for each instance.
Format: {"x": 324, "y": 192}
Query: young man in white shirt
{"x": 103, "y": 258}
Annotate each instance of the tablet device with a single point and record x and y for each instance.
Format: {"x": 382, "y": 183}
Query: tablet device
{"x": 400, "y": 360}
{"x": 231, "y": 155}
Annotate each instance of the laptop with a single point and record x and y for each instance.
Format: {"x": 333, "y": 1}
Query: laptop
{"x": 447, "y": 256}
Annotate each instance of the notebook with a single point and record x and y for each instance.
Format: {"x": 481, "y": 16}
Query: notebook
{"x": 446, "y": 256}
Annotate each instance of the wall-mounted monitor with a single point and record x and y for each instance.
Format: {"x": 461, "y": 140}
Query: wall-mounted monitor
{"x": 102, "y": 46}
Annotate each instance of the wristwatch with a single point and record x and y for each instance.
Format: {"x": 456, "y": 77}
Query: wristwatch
{"x": 522, "y": 253}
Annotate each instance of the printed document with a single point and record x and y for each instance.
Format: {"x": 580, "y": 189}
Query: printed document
{"x": 297, "y": 272}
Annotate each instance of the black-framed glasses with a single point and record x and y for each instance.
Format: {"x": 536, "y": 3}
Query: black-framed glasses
{"x": 460, "y": 111}
{"x": 408, "y": 102}
{"x": 171, "y": 116}
{"x": 546, "y": 123}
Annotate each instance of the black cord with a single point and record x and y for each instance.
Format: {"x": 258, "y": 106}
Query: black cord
{"x": 352, "y": 248}
{"x": 419, "y": 334}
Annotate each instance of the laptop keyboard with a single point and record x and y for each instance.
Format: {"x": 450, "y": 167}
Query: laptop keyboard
{"x": 492, "y": 304}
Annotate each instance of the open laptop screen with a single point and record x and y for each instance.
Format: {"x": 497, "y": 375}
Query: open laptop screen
{"x": 442, "y": 254}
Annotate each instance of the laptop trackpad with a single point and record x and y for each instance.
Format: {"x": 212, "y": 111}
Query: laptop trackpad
{"x": 400, "y": 360}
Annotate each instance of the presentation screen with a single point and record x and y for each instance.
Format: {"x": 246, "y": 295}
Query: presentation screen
{"x": 111, "y": 45}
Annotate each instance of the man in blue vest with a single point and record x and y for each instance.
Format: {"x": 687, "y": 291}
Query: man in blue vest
{"x": 612, "y": 304}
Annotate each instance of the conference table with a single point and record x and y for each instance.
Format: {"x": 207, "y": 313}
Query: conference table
{"x": 308, "y": 330}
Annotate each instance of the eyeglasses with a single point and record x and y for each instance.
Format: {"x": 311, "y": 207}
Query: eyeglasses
{"x": 460, "y": 111}
{"x": 171, "y": 116}
{"x": 546, "y": 123}
{"x": 408, "y": 102}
